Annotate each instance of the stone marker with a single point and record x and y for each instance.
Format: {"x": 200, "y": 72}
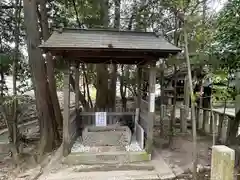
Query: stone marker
{"x": 222, "y": 166}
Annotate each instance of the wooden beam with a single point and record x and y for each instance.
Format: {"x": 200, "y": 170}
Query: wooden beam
{"x": 101, "y": 60}
{"x": 66, "y": 111}
{"x": 151, "y": 113}
{"x": 86, "y": 55}
{"x": 104, "y": 53}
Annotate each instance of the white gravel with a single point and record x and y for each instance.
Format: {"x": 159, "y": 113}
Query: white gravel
{"x": 134, "y": 146}
{"x": 79, "y": 147}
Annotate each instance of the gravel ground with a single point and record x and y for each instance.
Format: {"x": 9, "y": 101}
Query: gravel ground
{"x": 78, "y": 147}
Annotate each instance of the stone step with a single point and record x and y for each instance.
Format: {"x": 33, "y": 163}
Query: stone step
{"x": 115, "y": 167}
{"x": 112, "y": 175}
{"x": 96, "y": 149}
{"x": 106, "y": 157}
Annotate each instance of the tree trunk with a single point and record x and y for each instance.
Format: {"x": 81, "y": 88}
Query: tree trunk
{"x": 36, "y": 62}
{"x": 81, "y": 96}
{"x": 162, "y": 98}
{"x": 123, "y": 88}
{"x": 87, "y": 86}
{"x": 50, "y": 67}
{"x": 14, "y": 134}
{"x": 102, "y": 86}
{"x": 2, "y": 79}
{"x": 113, "y": 76}
{"x": 194, "y": 131}
{"x": 172, "y": 120}
{"x": 112, "y": 88}
{"x": 102, "y": 71}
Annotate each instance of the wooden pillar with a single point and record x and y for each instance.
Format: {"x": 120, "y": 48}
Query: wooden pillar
{"x": 139, "y": 85}
{"x": 139, "y": 94}
{"x": 77, "y": 87}
{"x": 151, "y": 102}
{"x": 162, "y": 90}
{"x": 66, "y": 111}
{"x": 222, "y": 165}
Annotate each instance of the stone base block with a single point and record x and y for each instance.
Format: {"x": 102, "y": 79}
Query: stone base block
{"x": 4, "y": 148}
{"x": 106, "y": 136}
{"x": 106, "y": 158}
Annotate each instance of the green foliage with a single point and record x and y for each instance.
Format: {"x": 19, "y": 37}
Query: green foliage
{"x": 221, "y": 90}
{"x": 7, "y": 109}
{"x": 227, "y": 38}
{"x": 59, "y": 80}
{"x": 8, "y": 23}
{"x": 5, "y": 61}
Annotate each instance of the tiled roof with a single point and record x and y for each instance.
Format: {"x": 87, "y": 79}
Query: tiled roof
{"x": 98, "y": 39}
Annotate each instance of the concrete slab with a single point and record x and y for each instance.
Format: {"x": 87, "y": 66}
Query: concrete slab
{"x": 113, "y": 175}
{"x": 106, "y": 136}
{"x": 163, "y": 169}
{"x": 115, "y": 167}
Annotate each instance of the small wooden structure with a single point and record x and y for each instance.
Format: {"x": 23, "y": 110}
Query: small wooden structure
{"x": 182, "y": 78}
{"x": 109, "y": 46}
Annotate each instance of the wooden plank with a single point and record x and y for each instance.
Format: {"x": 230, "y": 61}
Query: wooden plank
{"x": 140, "y": 135}
{"x": 66, "y": 111}
{"x": 143, "y": 121}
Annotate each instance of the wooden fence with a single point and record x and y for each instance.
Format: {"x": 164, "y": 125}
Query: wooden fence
{"x": 143, "y": 118}
{"x": 208, "y": 123}
{"x": 205, "y": 122}
{"x": 88, "y": 117}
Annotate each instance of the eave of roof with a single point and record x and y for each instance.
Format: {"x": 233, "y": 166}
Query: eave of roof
{"x": 80, "y": 39}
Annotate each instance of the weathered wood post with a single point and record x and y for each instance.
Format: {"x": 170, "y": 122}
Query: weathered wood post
{"x": 77, "y": 108}
{"x": 183, "y": 120}
{"x": 151, "y": 102}
{"x": 222, "y": 166}
{"x": 197, "y": 117}
{"x": 66, "y": 111}
{"x": 207, "y": 122}
{"x": 139, "y": 95}
{"x": 162, "y": 110}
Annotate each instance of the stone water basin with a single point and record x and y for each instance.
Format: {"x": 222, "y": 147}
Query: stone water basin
{"x": 106, "y": 136}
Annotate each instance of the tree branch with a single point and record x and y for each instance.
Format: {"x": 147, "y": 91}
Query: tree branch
{"x": 76, "y": 12}
{"x": 10, "y": 7}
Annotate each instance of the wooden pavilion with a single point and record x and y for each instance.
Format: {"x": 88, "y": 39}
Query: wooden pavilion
{"x": 103, "y": 46}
